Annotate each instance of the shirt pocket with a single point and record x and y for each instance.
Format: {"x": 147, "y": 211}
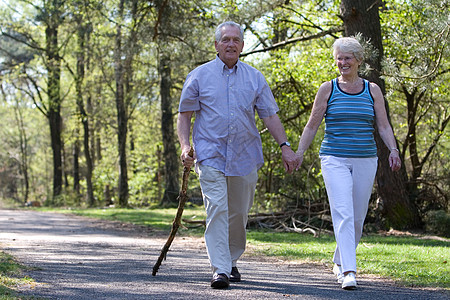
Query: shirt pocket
{"x": 247, "y": 100}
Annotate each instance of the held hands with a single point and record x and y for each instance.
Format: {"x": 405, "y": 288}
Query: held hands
{"x": 291, "y": 161}
{"x": 394, "y": 160}
{"x": 299, "y": 154}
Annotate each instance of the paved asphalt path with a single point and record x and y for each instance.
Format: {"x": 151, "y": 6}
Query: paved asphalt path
{"x": 79, "y": 258}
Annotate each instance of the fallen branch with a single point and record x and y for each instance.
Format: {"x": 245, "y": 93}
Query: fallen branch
{"x": 298, "y": 230}
{"x": 198, "y": 223}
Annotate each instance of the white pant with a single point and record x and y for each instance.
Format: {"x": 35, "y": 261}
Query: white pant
{"x": 349, "y": 183}
{"x": 227, "y": 200}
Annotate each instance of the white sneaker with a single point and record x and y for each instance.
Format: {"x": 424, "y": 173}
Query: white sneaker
{"x": 349, "y": 282}
{"x": 337, "y": 270}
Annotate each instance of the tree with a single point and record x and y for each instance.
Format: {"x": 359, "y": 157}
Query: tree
{"x": 84, "y": 30}
{"x": 418, "y": 69}
{"x": 21, "y": 139}
{"x": 125, "y": 49}
{"x": 17, "y": 139}
{"x": 23, "y": 146}
{"x": 49, "y": 14}
{"x": 362, "y": 17}
{"x": 162, "y": 31}
{"x": 122, "y": 113}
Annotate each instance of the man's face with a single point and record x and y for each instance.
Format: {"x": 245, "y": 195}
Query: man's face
{"x": 230, "y": 45}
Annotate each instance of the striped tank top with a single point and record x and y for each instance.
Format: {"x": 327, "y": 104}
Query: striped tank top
{"x": 349, "y": 124}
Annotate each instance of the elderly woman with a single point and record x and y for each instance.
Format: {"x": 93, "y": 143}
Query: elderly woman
{"x": 351, "y": 105}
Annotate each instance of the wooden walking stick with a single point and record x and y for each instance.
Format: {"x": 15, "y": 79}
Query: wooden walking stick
{"x": 182, "y": 198}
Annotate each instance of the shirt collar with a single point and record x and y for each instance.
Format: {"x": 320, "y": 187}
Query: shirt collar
{"x": 222, "y": 67}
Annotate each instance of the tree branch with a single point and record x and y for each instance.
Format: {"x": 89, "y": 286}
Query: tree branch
{"x": 21, "y": 41}
{"x": 295, "y": 40}
{"x": 435, "y": 141}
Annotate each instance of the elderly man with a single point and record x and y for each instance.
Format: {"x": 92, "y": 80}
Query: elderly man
{"x": 224, "y": 94}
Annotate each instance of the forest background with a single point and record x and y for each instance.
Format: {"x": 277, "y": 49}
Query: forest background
{"x": 90, "y": 90}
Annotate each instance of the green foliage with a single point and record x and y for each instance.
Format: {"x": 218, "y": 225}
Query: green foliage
{"x": 416, "y": 72}
{"x": 438, "y": 222}
{"x": 104, "y": 179}
{"x": 19, "y": 114}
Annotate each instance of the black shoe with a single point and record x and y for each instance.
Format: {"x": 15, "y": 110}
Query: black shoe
{"x": 220, "y": 281}
{"x": 235, "y": 276}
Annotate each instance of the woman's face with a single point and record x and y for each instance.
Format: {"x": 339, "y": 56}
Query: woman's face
{"x": 347, "y": 63}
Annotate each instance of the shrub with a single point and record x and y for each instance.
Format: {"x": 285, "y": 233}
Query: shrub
{"x": 438, "y": 222}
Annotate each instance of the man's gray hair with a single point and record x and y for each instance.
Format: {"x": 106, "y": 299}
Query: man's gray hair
{"x": 218, "y": 33}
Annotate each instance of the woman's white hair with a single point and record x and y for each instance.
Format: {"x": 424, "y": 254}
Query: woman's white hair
{"x": 218, "y": 33}
{"x": 350, "y": 45}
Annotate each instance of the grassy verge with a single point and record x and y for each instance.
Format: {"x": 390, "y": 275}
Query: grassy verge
{"x": 10, "y": 277}
{"x": 156, "y": 218}
{"x": 409, "y": 260}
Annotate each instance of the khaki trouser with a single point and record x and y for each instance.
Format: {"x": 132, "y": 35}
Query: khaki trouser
{"x": 227, "y": 200}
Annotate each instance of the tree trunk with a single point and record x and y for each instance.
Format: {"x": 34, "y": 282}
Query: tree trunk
{"x": 122, "y": 119}
{"x": 81, "y": 65}
{"x": 170, "y": 156}
{"x": 23, "y": 144}
{"x": 362, "y": 17}
{"x": 76, "y": 165}
{"x": 169, "y": 153}
{"x": 54, "y": 97}
{"x": 411, "y": 139}
{"x": 132, "y": 49}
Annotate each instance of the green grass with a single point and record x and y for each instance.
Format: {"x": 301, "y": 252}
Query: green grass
{"x": 161, "y": 219}
{"x": 415, "y": 262}
{"x": 409, "y": 260}
{"x": 296, "y": 246}
{"x": 10, "y": 277}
